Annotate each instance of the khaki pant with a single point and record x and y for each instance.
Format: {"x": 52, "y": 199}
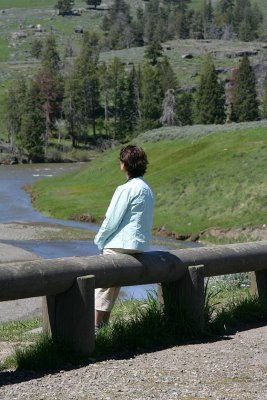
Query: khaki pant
{"x": 106, "y": 297}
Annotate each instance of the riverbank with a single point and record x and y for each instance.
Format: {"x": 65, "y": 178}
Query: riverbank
{"x": 42, "y": 231}
{"x": 217, "y": 180}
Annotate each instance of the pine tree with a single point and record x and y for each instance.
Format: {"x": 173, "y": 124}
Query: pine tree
{"x": 50, "y": 86}
{"x": 132, "y": 101}
{"x": 36, "y": 48}
{"x": 246, "y": 20}
{"x": 185, "y": 109}
{"x": 33, "y": 125}
{"x": 244, "y": 105}
{"x": 118, "y": 24}
{"x": 50, "y": 55}
{"x": 116, "y": 76}
{"x": 94, "y": 3}
{"x": 120, "y": 126}
{"x": 151, "y": 98}
{"x": 167, "y": 75}
{"x": 104, "y": 85}
{"x": 153, "y": 52}
{"x": 73, "y": 108}
{"x": 210, "y": 97}
{"x": 264, "y": 106}
{"x": 14, "y": 110}
{"x": 87, "y": 73}
{"x": 64, "y": 7}
{"x": 90, "y": 49}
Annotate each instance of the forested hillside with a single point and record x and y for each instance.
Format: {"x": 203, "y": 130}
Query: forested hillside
{"x": 75, "y": 73}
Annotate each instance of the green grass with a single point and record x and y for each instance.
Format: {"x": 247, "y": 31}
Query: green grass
{"x": 198, "y": 182}
{"x": 239, "y": 312}
{"x": 5, "y": 4}
{"x": 18, "y": 330}
{"x": 138, "y": 326}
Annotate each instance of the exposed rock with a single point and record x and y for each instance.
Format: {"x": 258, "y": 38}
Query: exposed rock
{"x": 19, "y": 35}
{"x": 84, "y": 218}
{"x": 221, "y": 70}
{"x": 78, "y": 29}
{"x": 246, "y": 52}
{"x": 187, "y": 56}
{"x": 194, "y": 237}
{"x": 238, "y": 234}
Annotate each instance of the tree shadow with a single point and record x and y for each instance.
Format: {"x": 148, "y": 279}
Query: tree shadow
{"x": 24, "y": 375}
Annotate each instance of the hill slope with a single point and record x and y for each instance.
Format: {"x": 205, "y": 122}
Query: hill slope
{"x": 217, "y": 180}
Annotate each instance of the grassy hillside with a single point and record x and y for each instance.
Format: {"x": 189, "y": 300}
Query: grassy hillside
{"x": 215, "y": 180}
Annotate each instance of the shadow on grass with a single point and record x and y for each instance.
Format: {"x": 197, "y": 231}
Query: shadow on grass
{"x": 149, "y": 330}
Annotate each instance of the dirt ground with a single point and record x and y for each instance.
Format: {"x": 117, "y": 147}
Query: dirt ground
{"x": 229, "y": 368}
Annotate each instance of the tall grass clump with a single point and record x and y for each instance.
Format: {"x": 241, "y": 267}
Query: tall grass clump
{"x": 151, "y": 326}
{"x": 144, "y": 326}
{"x": 45, "y": 354}
{"x": 239, "y": 313}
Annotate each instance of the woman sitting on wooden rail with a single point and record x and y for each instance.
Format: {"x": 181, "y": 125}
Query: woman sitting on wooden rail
{"x": 128, "y": 222}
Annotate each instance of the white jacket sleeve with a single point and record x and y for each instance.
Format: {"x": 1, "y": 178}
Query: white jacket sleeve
{"x": 114, "y": 215}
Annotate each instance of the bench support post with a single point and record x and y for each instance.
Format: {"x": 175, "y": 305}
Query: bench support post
{"x": 187, "y": 296}
{"x": 259, "y": 284}
{"x": 70, "y": 316}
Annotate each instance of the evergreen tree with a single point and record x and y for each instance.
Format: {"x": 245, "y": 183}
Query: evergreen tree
{"x": 210, "y": 97}
{"x": 73, "y": 108}
{"x": 14, "y": 109}
{"x": 209, "y": 28}
{"x": 90, "y": 49}
{"x": 94, "y": 3}
{"x": 151, "y": 98}
{"x": 264, "y": 108}
{"x": 183, "y": 24}
{"x": 50, "y": 85}
{"x": 167, "y": 75}
{"x": 104, "y": 85}
{"x": 153, "y": 52}
{"x": 246, "y": 20}
{"x": 64, "y": 7}
{"x": 117, "y": 89}
{"x": 132, "y": 101}
{"x": 118, "y": 24}
{"x": 181, "y": 4}
{"x": 244, "y": 105}
{"x": 154, "y": 24}
{"x": 87, "y": 74}
{"x": 50, "y": 56}
{"x": 36, "y": 48}
{"x": 33, "y": 125}
{"x": 185, "y": 109}
{"x": 120, "y": 127}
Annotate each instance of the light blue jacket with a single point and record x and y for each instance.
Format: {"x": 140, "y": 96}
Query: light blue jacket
{"x": 129, "y": 218}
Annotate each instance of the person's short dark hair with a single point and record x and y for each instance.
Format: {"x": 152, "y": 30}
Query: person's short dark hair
{"x": 134, "y": 159}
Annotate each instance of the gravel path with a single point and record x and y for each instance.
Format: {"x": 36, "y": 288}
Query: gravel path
{"x": 234, "y": 368}
{"x": 230, "y": 369}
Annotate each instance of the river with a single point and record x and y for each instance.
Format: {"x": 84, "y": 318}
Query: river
{"x": 16, "y": 207}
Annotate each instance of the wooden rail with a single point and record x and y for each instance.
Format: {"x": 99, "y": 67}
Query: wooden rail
{"x": 68, "y": 283}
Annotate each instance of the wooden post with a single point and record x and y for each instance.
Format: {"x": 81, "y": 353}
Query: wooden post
{"x": 70, "y": 316}
{"x": 258, "y": 285}
{"x": 187, "y": 296}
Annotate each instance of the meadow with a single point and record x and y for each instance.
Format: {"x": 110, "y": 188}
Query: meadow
{"x": 217, "y": 180}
